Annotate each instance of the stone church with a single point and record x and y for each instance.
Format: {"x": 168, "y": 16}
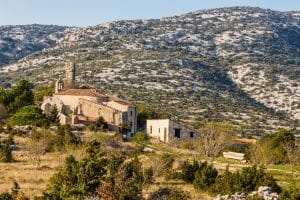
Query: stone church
{"x": 84, "y": 106}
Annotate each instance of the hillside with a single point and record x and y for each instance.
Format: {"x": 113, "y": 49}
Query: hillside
{"x": 17, "y": 42}
{"x": 236, "y": 64}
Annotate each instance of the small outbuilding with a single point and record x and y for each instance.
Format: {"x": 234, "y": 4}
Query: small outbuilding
{"x": 167, "y": 130}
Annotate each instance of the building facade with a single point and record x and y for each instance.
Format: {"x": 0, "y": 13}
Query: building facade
{"x": 168, "y": 131}
{"x": 84, "y": 106}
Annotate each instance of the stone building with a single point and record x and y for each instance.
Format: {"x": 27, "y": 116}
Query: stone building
{"x": 168, "y": 131}
{"x": 85, "y": 106}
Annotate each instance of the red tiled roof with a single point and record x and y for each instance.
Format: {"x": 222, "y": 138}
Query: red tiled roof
{"x": 81, "y": 92}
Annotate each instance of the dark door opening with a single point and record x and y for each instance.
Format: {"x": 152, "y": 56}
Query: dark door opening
{"x": 177, "y": 132}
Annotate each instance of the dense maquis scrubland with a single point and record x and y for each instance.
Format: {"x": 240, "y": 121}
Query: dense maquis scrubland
{"x": 41, "y": 159}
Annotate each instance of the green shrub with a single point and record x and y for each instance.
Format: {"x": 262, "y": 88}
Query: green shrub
{"x": 66, "y": 137}
{"x": 148, "y": 175}
{"x": 246, "y": 180}
{"x": 185, "y": 145}
{"x": 6, "y": 196}
{"x": 290, "y": 194}
{"x": 106, "y": 174}
{"x": 189, "y": 170}
{"x": 18, "y": 97}
{"x": 41, "y": 91}
{"x": 6, "y": 153}
{"x": 101, "y": 123}
{"x": 169, "y": 194}
{"x": 53, "y": 116}
{"x": 29, "y": 115}
{"x": 271, "y": 148}
{"x": 140, "y": 139}
{"x": 205, "y": 177}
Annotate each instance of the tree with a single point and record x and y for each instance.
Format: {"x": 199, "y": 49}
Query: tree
{"x": 29, "y": 115}
{"x": 6, "y": 153}
{"x": 260, "y": 153}
{"x": 22, "y": 94}
{"x": 214, "y": 138}
{"x": 19, "y": 96}
{"x": 205, "y": 176}
{"x": 128, "y": 181}
{"x": 41, "y": 91}
{"x": 273, "y": 148}
{"x": 293, "y": 154}
{"x": 53, "y": 115}
{"x": 101, "y": 123}
{"x": 110, "y": 175}
{"x": 65, "y": 137}
{"x": 144, "y": 112}
{"x": 189, "y": 170}
{"x": 247, "y": 180}
{"x": 140, "y": 139}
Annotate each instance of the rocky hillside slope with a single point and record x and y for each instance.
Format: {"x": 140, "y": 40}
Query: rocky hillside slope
{"x": 17, "y": 42}
{"x": 236, "y": 64}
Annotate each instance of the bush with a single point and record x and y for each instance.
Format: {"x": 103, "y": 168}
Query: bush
{"x": 185, "y": 145}
{"x": 148, "y": 175}
{"x": 169, "y": 194}
{"x": 6, "y": 196}
{"x": 42, "y": 91}
{"x": 46, "y": 141}
{"x": 205, "y": 177}
{"x": 6, "y": 153}
{"x": 29, "y": 115}
{"x": 271, "y": 149}
{"x": 66, "y": 137}
{"x": 140, "y": 139}
{"x": 189, "y": 170}
{"x": 101, "y": 123}
{"x": 110, "y": 175}
{"x": 248, "y": 180}
{"x": 16, "y": 194}
{"x": 290, "y": 194}
{"x": 15, "y": 99}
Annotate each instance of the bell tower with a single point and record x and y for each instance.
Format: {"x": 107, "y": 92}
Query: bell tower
{"x": 70, "y": 75}
{"x": 59, "y": 86}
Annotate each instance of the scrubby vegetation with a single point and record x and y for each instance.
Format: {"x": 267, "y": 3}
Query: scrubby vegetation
{"x": 19, "y": 96}
{"x": 29, "y": 115}
{"x": 94, "y": 163}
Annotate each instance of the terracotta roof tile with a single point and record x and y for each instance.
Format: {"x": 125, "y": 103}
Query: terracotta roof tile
{"x": 81, "y": 92}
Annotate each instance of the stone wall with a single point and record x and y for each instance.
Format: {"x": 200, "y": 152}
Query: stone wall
{"x": 94, "y": 111}
{"x": 73, "y": 100}
{"x": 186, "y": 133}
{"x": 131, "y": 115}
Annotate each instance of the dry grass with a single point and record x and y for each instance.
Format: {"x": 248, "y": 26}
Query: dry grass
{"x": 161, "y": 183}
{"x": 30, "y": 175}
{"x": 33, "y": 176}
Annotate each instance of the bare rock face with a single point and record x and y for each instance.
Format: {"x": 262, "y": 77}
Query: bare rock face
{"x": 17, "y": 42}
{"x": 235, "y": 196}
{"x": 267, "y": 194}
{"x": 263, "y": 192}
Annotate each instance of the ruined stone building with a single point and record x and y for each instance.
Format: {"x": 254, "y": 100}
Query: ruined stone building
{"x": 166, "y": 130}
{"x": 84, "y": 106}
